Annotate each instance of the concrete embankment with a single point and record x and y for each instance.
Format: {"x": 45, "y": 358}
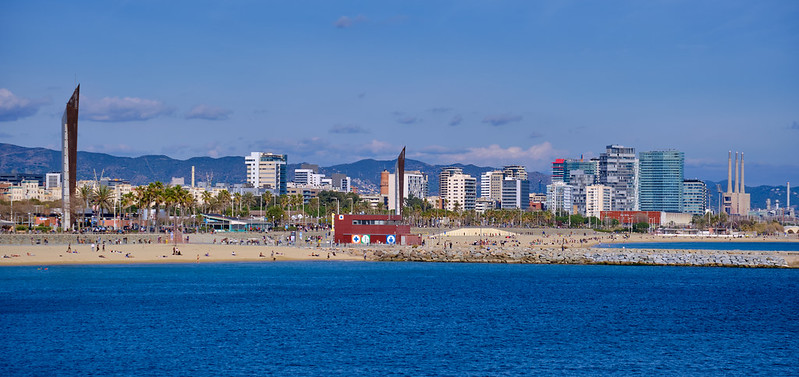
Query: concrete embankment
{"x": 587, "y": 256}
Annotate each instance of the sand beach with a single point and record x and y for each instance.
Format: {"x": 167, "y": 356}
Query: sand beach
{"x": 441, "y": 245}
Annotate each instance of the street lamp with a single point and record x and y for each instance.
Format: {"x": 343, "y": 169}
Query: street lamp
{"x": 352, "y": 204}
{"x": 338, "y": 208}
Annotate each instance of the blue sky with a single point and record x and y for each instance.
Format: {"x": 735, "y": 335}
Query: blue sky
{"x": 483, "y": 82}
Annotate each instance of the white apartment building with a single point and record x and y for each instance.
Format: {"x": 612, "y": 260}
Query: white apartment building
{"x": 598, "y": 198}
{"x": 491, "y": 185}
{"x": 308, "y": 177}
{"x": 415, "y": 184}
{"x": 52, "y": 180}
{"x": 559, "y": 198}
{"x": 461, "y": 192}
{"x": 267, "y": 170}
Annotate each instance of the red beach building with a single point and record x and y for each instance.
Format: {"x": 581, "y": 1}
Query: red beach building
{"x": 372, "y": 229}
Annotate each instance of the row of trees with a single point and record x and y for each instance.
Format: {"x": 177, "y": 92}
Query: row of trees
{"x": 181, "y": 209}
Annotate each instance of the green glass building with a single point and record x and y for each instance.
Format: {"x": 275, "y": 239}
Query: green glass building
{"x": 660, "y": 181}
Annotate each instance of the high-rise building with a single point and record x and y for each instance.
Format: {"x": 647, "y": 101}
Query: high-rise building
{"x": 267, "y": 170}
{"x": 559, "y": 198}
{"x": 660, "y": 181}
{"x": 415, "y": 185}
{"x": 443, "y": 177}
{"x": 515, "y": 193}
{"x": 598, "y": 198}
{"x": 515, "y": 172}
{"x": 618, "y": 169}
{"x": 461, "y": 192}
{"x": 491, "y": 185}
{"x": 735, "y": 201}
{"x": 694, "y": 196}
{"x": 562, "y": 168}
{"x": 579, "y": 181}
{"x": 515, "y": 188}
{"x": 69, "y": 155}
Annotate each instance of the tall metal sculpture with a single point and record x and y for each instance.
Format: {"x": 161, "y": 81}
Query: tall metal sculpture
{"x": 399, "y": 189}
{"x": 69, "y": 153}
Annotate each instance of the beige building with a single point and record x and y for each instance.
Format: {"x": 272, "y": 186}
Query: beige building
{"x": 598, "y": 198}
{"x": 461, "y": 192}
{"x": 491, "y": 185}
{"x": 267, "y": 170}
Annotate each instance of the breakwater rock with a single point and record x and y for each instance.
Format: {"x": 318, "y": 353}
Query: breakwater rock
{"x": 720, "y": 258}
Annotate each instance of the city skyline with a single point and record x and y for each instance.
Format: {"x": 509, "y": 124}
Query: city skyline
{"x": 485, "y": 83}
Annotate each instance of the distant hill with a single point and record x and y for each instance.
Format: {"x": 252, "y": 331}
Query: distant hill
{"x": 365, "y": 173}
{"x": 138, "y": 170}
{"x": 145, "y": 169}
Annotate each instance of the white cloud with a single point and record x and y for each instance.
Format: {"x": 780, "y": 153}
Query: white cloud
{"x": 492, "y": 155}
{"x": 208, "y": 112}
{"x": 127, "y": 109}
{"x": 345, "y": 22}
{"x": 13, "y": 108}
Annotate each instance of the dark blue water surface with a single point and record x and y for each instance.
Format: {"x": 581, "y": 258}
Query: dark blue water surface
{"x": 319, "y": 318}
{"x": 719, "y": 245}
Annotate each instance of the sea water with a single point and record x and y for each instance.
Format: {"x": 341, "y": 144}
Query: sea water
{"x": 361, "y": 318}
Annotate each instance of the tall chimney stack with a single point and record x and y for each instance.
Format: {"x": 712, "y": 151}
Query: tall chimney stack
{"x": 788, "y": 202}
{"x": 729, "y": 172}
{"x": 742, "y": 188}
{"x": 192, "y": 176}
{"x": 737, "y": 174}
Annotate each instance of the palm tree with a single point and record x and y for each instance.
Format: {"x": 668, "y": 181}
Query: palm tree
{"x": 247, "y": 200}
{"x": 223, "y": 198}
{"x": 170, "y": 198}
{"x": 141, "y": 196}
{"x": 186, "y": 201}
{"x": 86, "y": 193}
{"x": 103, "y": 199}
{"x": 207, "y": 198}
{"x": 236, "y": 201}
{"x": 267, "y": 197}
{"x": 156, "y": 196}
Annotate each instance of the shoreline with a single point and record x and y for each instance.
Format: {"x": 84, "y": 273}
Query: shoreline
{"x": 542, "y": 246}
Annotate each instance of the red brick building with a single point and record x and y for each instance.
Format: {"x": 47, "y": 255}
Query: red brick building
{"x": 372, "y": 229}
{"x": 632, "y": 217}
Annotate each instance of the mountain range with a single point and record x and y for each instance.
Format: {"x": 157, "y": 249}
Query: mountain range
{"x": 365, "y": 174}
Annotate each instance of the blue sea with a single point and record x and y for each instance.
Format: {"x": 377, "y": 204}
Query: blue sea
{"x": 719, "y": 245}
{"x": 397, "y": 319}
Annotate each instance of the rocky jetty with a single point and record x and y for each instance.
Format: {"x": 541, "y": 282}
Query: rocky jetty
{"x": 721, "y": 258}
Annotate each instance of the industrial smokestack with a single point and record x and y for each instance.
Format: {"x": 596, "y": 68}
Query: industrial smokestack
{"x": 729, "y": 171}
{"x": 742, "y": 189}
{"x": 737, "y": 174}
{"x": 788, "y": 202}
{"x": 192, "y": 176}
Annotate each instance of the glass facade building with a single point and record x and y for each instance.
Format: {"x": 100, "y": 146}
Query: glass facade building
{"x": 694, "y": 196}
{"x": 267, "y": 170}
{"x": 618, "y": 169}
{"x": 660, "y": 181}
